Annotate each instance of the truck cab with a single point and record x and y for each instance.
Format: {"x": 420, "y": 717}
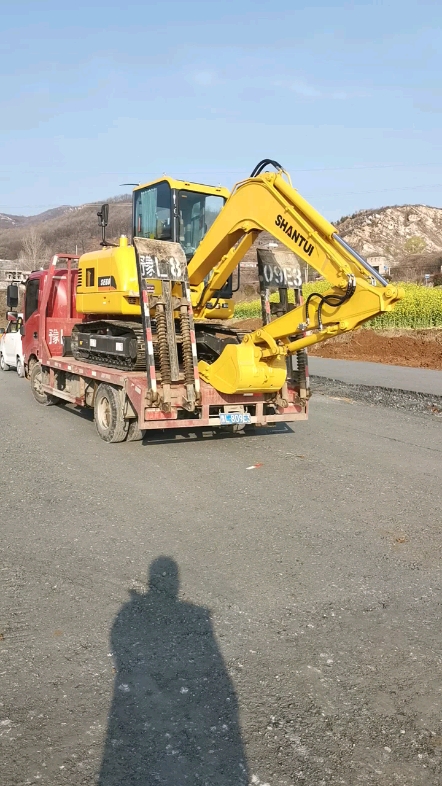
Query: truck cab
{"x": 55, "y": 325}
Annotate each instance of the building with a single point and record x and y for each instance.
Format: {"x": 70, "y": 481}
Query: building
{"x": 11, "y": 273}
{"x": 380, "y": 264}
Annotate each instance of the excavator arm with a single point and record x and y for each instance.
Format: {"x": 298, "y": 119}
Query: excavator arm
{"x": 268, "y": 202}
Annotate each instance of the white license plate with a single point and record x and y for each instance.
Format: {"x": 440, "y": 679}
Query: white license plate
{"x": 234, "y": 418}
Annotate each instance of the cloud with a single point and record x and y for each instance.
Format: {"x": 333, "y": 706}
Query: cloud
{"x": 306, "y": 90}
{"x": 204, "y": 78}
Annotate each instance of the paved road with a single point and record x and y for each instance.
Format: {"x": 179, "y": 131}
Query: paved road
{"x": 290, "y": 632}
{"x": 354, "y": 372}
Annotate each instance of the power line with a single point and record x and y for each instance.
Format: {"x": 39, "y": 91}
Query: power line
{"x": 74, "y": 207}
{"x": 381, "y": 190}
{"x": 317, "y": 196}
{"x": 181, "y": 175}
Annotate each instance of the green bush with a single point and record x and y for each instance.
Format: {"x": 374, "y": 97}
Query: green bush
{"x": 415, "y": 245}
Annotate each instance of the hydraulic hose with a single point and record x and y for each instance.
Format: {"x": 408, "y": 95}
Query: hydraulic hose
{"x": 330, "y": 300}
{"x": 262, "y": 165}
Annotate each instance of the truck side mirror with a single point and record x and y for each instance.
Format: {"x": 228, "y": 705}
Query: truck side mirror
{"x": 103, "y": 216}
{"x": 22, "y": 330}
{"x": 12, "y": 296}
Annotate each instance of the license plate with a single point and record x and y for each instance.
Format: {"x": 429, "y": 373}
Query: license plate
{"x": 234, "y": 418}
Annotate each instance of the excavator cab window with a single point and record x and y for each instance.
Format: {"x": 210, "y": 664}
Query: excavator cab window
{"x": 197, "y": 212}
{"x": 152, "y": 212}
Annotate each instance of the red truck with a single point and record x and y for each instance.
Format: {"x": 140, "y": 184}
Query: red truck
{"x": 123, "y": 401}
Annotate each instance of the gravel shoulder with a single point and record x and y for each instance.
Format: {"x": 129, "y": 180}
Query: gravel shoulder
{"x": 418, "y": 380}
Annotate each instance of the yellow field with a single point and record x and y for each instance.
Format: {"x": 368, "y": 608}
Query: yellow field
{"x": 420, "y": 308}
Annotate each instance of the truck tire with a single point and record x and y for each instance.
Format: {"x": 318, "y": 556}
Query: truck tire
{"x": 108, "y": 413}
{"x": 20, "y": 368}
{"x": 31, "y": 363}
{"x": 134, "y": 434}
{"x": 36, "y": 380}
{"x": 4, "y": 366}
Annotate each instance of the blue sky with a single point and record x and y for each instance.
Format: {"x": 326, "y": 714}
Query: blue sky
{"x": 347, "y": 97}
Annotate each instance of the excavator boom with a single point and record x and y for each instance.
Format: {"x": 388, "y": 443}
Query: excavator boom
{"x": 268, "y": 202}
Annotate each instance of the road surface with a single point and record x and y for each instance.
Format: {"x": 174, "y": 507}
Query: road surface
{"x": 354, "y": 372}
{"x": 290, "y": 628}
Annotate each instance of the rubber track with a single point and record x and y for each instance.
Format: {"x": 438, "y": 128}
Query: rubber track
{"x": 111, "y": 361}
{"x": 139, "y": 364}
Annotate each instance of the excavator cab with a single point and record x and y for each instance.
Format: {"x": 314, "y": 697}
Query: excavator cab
{"x": 168, "y": 210}
{"x": 180, "y": 212}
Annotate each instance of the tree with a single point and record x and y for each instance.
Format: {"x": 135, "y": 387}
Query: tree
{"x": 34, "y": 251}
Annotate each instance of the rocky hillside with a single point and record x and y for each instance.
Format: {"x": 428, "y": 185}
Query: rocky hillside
{"x": 391, "y": 235}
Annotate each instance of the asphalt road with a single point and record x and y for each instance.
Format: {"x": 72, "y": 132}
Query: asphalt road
{"x": 355, "y": 372}
{"x": 290, "y": 632}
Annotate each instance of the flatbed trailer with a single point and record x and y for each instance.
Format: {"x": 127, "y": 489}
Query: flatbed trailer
{"x": 128, "y": 403}
{"x": 76, "y": 383}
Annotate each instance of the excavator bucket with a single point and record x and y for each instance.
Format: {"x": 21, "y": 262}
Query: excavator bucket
{"x": 240, "y": 369}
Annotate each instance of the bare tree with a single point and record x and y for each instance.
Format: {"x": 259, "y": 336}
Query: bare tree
{"x": 34, "y": 251}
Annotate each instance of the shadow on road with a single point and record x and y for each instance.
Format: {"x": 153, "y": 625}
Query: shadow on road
{"x": 164, "y": 436}
{"x": 174, "y": 714}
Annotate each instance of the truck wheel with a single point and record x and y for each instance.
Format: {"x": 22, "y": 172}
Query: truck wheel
{"x": 36, "y": 379}
{"x": 4, "y": 366}
{"x": 20, "y": 367}
{"x": 134, "y": 434}
{"x": 31, "y": 363}
{"x": 108, "y": 413}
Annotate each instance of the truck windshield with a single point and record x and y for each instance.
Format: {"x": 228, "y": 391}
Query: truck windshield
{"x": 197, "y": 212}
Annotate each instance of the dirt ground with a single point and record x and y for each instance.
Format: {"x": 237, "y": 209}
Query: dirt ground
{"x": 417, "y": 348}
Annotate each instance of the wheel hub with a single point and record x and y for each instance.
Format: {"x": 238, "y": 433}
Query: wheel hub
{"x": 104, "y": 413}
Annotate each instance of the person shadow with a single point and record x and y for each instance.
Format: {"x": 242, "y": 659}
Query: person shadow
{"x": 174, "y": 716}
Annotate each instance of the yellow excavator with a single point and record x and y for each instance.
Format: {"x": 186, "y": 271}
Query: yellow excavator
{"x": 168, "y": 210}
{"x": 208, "y": 231}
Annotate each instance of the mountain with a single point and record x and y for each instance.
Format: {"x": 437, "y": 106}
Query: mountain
{"x": 65, "y": 229}
{"x": 8, "y": 221}
{"x": 394, "y": 235}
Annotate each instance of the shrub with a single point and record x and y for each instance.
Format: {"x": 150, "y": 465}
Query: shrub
{"x": 415, "y": 245}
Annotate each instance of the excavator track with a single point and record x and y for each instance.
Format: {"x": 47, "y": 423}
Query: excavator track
{"x": 116, "y": 328}
{"x": 211, "y": 339}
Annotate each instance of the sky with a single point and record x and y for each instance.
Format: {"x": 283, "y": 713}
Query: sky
{"x": 347, "y": 97}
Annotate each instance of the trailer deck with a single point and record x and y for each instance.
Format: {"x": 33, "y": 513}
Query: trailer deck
{"x": 75, "y": 382}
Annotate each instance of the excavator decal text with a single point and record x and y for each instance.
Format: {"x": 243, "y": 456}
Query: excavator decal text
{"x": 296, "y": 236}
{"x": 107, "y": 281}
